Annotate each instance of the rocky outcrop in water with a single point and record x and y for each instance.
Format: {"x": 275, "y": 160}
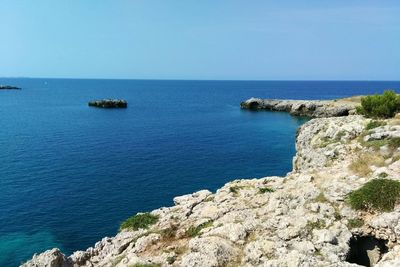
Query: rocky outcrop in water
{"x": 9, "y": 87}
{"x": 302, "y": 219}
{"x": 310, "y": 108}
{"x": 109, "y": 103}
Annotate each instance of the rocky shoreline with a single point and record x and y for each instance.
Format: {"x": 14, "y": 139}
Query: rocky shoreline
{"x": 302, "y": 219}
{"x": 310, "y": 108}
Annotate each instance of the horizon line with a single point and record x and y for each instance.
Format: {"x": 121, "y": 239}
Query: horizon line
{"x": 177, "y": 79}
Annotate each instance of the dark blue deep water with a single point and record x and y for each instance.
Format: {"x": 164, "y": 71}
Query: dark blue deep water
{"x": 69, "y": 174}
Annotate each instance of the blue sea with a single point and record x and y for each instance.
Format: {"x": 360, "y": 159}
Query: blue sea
{"x": 70, "y": 174}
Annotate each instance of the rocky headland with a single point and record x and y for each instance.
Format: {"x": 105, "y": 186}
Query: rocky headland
{"x": 109, "y": 103}
{"x": 309, "y": 108}
{"x": 302, "y": 219}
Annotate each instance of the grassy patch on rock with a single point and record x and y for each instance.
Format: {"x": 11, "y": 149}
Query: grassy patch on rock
{"x": 235, "y": 189}
{"x": 374, "y": 124}
{"x": 393, "y": 143}
{"x": 361, "y": 165}
{"x": 139, "y": 221}
{"x": 318, "y": 224}
{"x": 170, "y": 232}
{"x": 145, "y": 265}
{"x": 263, "y": 190}
{"x": 321, "y": 198}
{"x": 377, "y": 194}
{"x": 193, "y": 231}
{"x": 355, "y": 223}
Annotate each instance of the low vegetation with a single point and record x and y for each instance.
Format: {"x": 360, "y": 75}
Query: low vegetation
{"x": 193, "y": 231}
{"x": 139, "y": 221}
{"x": 374, "y": 124}
{"x": 263, "y": 190}
{"x": 383, "y": 175}
{"x": 235, "y": 189}
{"x": 361, "y": 165}
{"x": 393, "y": 143}
{"x": 145, "y": 265}
{"x": 117, "y": 260}
{"x": 169, "y": 233}
{"x": 380, "y": 106}
{"x": 321, "y": 198}
{"x": 355, "y": 223}
{"x": 319, "y": 224}
{"x": 326, "y": 141}
{"x": 377, "y": 194}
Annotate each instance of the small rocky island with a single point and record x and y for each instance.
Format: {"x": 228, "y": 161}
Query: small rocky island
{"x": 109, "y": 103}
{"x": 338, "y": 207}
{"x": 9, "y": 87}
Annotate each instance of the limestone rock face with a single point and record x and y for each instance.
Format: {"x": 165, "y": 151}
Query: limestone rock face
{"x": 310, "y": 108}
{"x": 301, "y": 219}
{"x": 321, "y": 141}
{"x": 50, "y": 258}
{"x": 383, "y": 132}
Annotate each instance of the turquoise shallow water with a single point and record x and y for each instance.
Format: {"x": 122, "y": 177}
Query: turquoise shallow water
{"x": 70, "y": 174}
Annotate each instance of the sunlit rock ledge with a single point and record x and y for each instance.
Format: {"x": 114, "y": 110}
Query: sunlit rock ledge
{"x": 302, "y": 219}
{"x": 310, "y": 108}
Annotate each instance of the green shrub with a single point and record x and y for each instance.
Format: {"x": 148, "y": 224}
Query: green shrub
{"x": 377, "y": 194}
{"x": 380, "y": 106}
{"x": 374, "y": 124}
{"x": 193, "y": 231}
{"x": 139, "y": 221}
{"x": 263, "y": 190}
{"x": 235, "y": 189}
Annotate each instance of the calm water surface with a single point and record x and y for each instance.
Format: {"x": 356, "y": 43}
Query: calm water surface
{"x": 69, "y": 174}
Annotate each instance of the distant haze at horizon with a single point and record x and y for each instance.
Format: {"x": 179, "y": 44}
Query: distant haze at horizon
{"x": 207, "y": 40}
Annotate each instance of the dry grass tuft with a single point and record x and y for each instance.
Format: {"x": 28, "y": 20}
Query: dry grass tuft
{"x": 362, "y": 165}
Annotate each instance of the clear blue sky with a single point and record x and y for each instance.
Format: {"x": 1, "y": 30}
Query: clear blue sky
{"x": 203, "y": 39}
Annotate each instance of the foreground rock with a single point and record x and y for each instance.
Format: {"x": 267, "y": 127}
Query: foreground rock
{"x": 109, "y": 103}
{"x": 310, "y": 108}
{"x": 301, "y": 219}
{"x": 8, "y": 87}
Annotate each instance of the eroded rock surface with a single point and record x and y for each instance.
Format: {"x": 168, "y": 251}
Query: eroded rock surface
{"x": 310, "y": 108}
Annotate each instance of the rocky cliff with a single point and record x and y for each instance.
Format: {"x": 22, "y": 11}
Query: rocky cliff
{"x": 302, "y": 219}
{"x": 310, "y": 108}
